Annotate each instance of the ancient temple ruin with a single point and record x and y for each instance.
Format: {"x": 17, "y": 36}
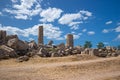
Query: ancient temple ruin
{"x": 40, "y": 35}
{"x": 69, "y": 41}
{"x": 2, "y": 36}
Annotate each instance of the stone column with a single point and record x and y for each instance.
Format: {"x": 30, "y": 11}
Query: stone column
{"x": 69, "y": 41}
{"x": 2, "y": 36}
{"x": 40, "y": 35}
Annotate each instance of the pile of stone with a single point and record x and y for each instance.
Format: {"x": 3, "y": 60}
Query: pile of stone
{"x": 105, "y": 52}
{"x": 58, "y": 51}
{"x": 12, "y": 47}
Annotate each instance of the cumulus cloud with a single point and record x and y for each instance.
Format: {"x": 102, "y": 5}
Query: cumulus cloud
{"x": 50, "y": 14}
{"x": 87, "y": 13}
{"x": 118, "y": 23}
{"x": 117, "y": 29}
{"x": 77, "y": 36}
{"x": 118, "y": 38}
{"x": 106, "y": 43}
{"x": 109, "y": 22}
{"x": 1, "y": 14}
{"x": 50, "y": 32}
{"x": 14, "y": 1}
{"x": 91, "y": 33}
{"x": 105, "y": 31}
{"x": 74, "y": 19}
{"x": 84, "y": 30}
{"x": 24, "y": 9}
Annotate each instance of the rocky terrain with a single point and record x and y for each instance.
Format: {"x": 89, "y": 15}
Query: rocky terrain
{"x": 22, "y": 60}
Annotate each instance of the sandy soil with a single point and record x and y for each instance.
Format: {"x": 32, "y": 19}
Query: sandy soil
{"x": 80, "y": 67}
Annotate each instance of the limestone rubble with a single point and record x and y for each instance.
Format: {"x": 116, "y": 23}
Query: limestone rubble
{"x": 12, "y": 47}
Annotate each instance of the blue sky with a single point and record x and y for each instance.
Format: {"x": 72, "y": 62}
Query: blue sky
{"x": 88, "y": 20}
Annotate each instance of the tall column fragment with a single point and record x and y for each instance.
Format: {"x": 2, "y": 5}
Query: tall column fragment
{"x": 40, "y": 35}
{"x": 69, "y": 41}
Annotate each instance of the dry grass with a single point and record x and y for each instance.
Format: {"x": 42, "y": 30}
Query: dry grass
{"x": 39, "y": 60}
{"x": 77, "y": 67}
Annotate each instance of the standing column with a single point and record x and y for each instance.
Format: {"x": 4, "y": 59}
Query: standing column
{"x": 40, "y": 35}
{"x": 69, "y": 41}
{"x": 2, "y": 36}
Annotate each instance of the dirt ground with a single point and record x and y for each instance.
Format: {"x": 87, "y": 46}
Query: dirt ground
{"x": 77, "y": 67}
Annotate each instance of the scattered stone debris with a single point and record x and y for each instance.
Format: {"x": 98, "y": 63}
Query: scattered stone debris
{"x": 7, "y": 52}
{"x": 12, "y": 47}
{"x": 22, "y": 58}
{"x": 32, "y": 45}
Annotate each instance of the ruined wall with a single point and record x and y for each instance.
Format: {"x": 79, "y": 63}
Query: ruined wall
{"x": 69, "y": 41}
{"x": 40, "y": 35}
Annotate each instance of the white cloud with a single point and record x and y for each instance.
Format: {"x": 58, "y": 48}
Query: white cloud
{"x": 74, "y": 19}
{"x": 118, "y": 38}
{"x": 50, "y": 32}
{"x": 24, "y": 9}
{"x": 14, "y": 30}
{"x": 77, "y": 36}
{"x": 87, "y": 13}
{"x": 75, "y": 27}
{"x": 109, "y": 22}
{"x": 106, "y": 43}
{"x": 117, "y": 29}
{"x": 91, "y": 33}
{"x": 118, "y": 23}
{"x": 50, "y": 14}
{"x": 14, "y": 1}
{"x": 84, "y": 30}
{"x": 68, "y": 18}
{"x": 105, "y": 31}
{"x": 1, "y": 14}
{"x": 75, "y": 23}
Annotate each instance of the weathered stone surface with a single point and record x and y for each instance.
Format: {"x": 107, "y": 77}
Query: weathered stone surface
{"x": 7, "y": 51}
{"x": 87, "y": 50}
{"x": 61, "y": 46}
{"x": 17, "y": 44}
{"x": 3, "y": 55}
{"x": 32, "y": 45}
{"x": 60, "y": 53}
{"x": 22, "y": 58}
{"x": 55, "y": 54}
{"x": 118, "y": 52}
{"x": 13, "y": 43}
{"x": 40, "y": 35}
{"x": 43, "y": 53}
{"x": 103, "y": 54}
{"x": 32, "y": 53}
{"x": 22, "y": 45}
{"x": 115, "y": 54}
{"x": 8, "y": 37}
{"x": 69, "y": 41}
{"x": 68, "y": 52}
{"x": 94, "y": 52}
{"x": 2, "y": 37}
{"x": 75, "y": 51}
